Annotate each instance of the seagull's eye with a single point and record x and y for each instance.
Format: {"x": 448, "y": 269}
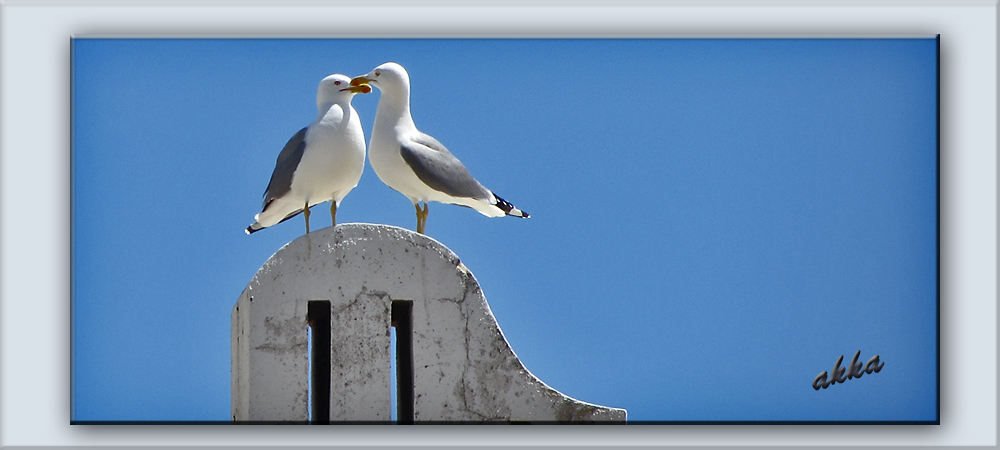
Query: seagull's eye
{"x": 337, "y": 83}
{"x": 377, "y": 74}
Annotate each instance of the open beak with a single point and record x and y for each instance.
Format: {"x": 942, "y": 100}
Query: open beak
{"x": 358, "y": 89}
{"x": 360, "y": 81}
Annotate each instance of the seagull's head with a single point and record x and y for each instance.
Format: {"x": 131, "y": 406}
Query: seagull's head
{"x": 337, "y": 87}
{"x": 387, "y": 76}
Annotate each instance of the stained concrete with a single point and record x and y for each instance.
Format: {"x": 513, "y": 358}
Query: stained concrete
{"x": 464, "y": 369}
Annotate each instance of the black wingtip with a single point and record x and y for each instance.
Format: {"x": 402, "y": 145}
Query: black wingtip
{"x": 510, "y": 209}
{"x": 252, "y": 230}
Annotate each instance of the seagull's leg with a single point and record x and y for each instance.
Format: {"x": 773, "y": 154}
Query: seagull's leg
{"x": 306, "y": 211}
{"x": 420, "y": 224}
{"x": 333, "y": 212}
{"x": 421, "y": 218}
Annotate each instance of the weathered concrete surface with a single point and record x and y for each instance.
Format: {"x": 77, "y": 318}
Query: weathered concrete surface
{"x": 464, "y": 369}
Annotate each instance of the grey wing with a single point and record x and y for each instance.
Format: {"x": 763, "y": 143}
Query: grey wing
{"x": 284, "y": 167}
{"x": 439, "y": 169}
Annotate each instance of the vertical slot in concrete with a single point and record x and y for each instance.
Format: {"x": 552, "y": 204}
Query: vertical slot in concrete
{"x": 318, "y": 316}
{"x": 393, "y": 411}
{"x": 402, "y": 321}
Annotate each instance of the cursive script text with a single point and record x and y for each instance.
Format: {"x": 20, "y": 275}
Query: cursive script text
{"x": 841, "y": 374}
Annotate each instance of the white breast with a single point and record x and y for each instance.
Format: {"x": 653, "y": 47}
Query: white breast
{"x": 392, "y": 169}
{"x": 334, "y": 157}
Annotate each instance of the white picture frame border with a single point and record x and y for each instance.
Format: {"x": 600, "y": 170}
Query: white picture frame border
{"x": 35, "y": 282}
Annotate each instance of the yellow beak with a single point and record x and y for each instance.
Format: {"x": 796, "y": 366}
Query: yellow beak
{"x": 360, "y": 81}
{"x": 358, "y": 89}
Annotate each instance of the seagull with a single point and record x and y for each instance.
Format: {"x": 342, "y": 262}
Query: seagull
{"x": 322, "y": 162}
{"x": 416, "y": 164}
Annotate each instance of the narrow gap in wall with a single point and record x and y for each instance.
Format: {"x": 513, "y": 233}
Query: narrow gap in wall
{"x": 309, "y": 400}
{"x": 393, "y": 415}
{"x": 318, "y": 316}
{"x": 402, "y": 321}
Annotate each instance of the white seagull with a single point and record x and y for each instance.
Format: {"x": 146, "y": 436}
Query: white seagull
{"x": 322, "y": 162}
{"x": 416, "y": 164}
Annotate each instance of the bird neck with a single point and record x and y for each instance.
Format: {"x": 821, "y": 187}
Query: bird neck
{"x": 394, "y": 110}
{"x": 324, "y": 105}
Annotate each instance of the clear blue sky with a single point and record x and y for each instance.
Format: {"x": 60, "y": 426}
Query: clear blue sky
{"x": 713, "y": 223}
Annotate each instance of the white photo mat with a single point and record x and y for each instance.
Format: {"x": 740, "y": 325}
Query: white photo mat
{"x": 35, "y": 132}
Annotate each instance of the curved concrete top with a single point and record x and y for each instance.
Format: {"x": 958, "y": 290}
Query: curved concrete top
{"x": 463, "y": 368}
